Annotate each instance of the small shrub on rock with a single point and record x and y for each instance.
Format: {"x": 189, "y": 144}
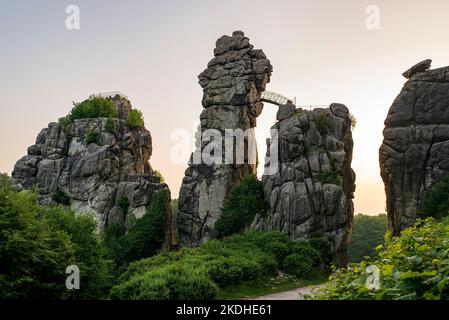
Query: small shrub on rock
{"x": 91, "y": 137}
{"x": 94, "y": 107}
{"x": 135, "y": 119}
{"x": 322, "y": 123}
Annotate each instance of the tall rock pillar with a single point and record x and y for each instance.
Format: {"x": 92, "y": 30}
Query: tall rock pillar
{"x": 311, "y": 193}
{"x": 415, "y": 149}
{"x": 232, "y": 84}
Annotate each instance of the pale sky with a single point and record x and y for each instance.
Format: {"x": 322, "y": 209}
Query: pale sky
{"x": 321, "y": 50}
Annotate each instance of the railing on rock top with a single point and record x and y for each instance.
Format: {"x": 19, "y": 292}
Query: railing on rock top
{"x": 110, "y": 94}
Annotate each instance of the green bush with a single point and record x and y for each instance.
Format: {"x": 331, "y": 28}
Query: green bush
{"x": 214, "y": 265}
{"x": 435, "y": 202}
{"x": 135, "y": 119}
{"x": 94, "y": 107}
{"x": 368, "y": 232}
{"x": 175, "y": 282}
{"x": 330, "y": 177}
{"x": 174, "y": 203}
{"x": 413, "y": 265}
{"x": 5, "y": 181}
{"x": 64, "y": 121}
{"x": 38, "y": 243}
{"x": 110, "y": 125}
{"x": 323, "y": 247}
{"x": 123, "y": 204}
{"x": 157, "y": 173}
{"x": 242, "y": 205}
{"x": 61, "y": 198}
{"x": 295, "y": 264}
{"x": 322, "y": 123}
{"x": 146, "y": 236}
{"x": 304, "y": 261}
{"x": 91, "y": 137}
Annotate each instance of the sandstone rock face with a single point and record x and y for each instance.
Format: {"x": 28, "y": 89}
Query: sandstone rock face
{"x": 414, "y": 152}
{"x": 94, "y": 176}
{"x": 232, "y": 84}
{"x": 311, "y": 193}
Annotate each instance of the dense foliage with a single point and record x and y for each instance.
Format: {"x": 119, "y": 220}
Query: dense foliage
{"x": 435, "y": 202}
{"x": 201, "y": 272}
{"x": 94, "y": 107}
{"x": 243, "y": 203}
{"x": 143, "y": 239}
{"x": 368, "y": 232}
{"x": 135, "y": 119}
{"x": 38, "y": 243}
{"x": 414, "y": 265}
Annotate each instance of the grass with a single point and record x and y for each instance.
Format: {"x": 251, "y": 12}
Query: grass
{"x": 266, "y": 285}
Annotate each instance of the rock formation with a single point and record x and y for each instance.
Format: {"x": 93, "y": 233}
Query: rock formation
{"x": 232, "y": 84}
{"x": 415, "y": 149}
{"x": 311, "y": 193}
{"x": 99, "y": 177}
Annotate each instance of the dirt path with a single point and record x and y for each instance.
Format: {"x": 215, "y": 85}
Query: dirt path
{"x": 296, "y": 294}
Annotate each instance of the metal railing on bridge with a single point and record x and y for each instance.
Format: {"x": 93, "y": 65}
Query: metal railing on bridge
{"x": 276, "y": 98}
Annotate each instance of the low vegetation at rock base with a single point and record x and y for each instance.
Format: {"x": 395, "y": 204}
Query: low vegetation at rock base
{"x": 144, "y": 238}
{"x": 202, "y": 272}
{"x": 414, "y": 265}
{"x": 368, "y": 232}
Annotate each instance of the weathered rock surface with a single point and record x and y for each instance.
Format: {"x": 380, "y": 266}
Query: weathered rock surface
{"x": 419, "y": 67}
{"x": 232, "y": 84}
{"x": 95, "y": 176}
{"x": 311, "y": 193}
{"x": 415, "y": 149}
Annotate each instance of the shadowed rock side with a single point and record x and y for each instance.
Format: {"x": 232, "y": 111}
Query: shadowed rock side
{"x": 415, "y": 149}
{"x": 311, "y": 194}
{"x": 96, "y": 176}
{"x": 232, "y": 84}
